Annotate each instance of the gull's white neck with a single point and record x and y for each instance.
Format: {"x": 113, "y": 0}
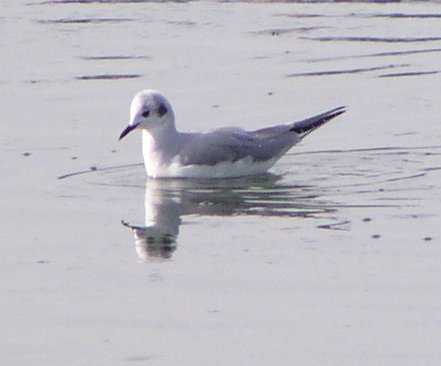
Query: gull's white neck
{"x": 160, "y": 145}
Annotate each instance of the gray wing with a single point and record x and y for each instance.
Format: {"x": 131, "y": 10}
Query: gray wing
{"x": 232, "y": 144}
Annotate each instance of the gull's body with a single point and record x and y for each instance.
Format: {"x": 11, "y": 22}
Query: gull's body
{"x": 221, "y": 153}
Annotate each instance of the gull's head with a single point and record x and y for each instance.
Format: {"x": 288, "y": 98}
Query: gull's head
{"x": 148, "y": 110}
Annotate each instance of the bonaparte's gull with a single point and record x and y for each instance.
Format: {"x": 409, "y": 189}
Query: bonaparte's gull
{"x": 220, "y": 153}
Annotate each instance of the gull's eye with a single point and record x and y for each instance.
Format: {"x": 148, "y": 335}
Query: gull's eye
{"x": 145, "y": 114}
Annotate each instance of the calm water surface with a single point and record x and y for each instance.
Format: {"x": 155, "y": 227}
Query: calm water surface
{"x": 332, "y": 258}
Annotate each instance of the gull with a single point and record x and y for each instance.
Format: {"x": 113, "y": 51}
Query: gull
{"x": 228, "y": 152}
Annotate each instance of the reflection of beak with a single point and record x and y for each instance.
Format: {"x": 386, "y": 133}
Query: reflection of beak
{"x": 128, "y": 129}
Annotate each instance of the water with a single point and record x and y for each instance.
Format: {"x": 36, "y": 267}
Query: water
{"x": 333, "y": 258}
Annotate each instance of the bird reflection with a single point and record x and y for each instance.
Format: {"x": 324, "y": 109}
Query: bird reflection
{"x": 167, "y": 201}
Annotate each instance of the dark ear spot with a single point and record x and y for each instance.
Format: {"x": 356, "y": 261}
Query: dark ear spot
{"x": 162, "y": 109}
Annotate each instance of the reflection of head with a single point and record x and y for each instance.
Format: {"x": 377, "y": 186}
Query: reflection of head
{"x": 152, "y": 243}
{"x": 157, "y": 239}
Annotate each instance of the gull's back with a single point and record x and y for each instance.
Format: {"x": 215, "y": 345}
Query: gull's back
{"x": 233, "y": 144}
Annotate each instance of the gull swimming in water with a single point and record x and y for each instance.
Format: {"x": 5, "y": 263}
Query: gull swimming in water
{"x": 221, "y": 153}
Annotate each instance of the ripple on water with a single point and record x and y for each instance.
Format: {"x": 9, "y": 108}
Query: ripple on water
{"x": 108, "y": 77}
{"x": 84, "y": 20}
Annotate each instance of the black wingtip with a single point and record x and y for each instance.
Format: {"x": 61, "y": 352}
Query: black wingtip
{"x": 337, "y": 111}
{"x": 308, "y": 125}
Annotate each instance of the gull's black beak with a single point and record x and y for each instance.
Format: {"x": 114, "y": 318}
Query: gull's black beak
{"x": 128, "y": 129}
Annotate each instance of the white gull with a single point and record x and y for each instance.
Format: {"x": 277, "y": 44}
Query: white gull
{"x": 221, "y": 153}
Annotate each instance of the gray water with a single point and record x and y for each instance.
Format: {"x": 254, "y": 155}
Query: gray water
{"x": 331, "y": 259}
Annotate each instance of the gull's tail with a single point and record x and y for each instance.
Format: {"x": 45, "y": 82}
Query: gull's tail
{"x": 306, "y": 126}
